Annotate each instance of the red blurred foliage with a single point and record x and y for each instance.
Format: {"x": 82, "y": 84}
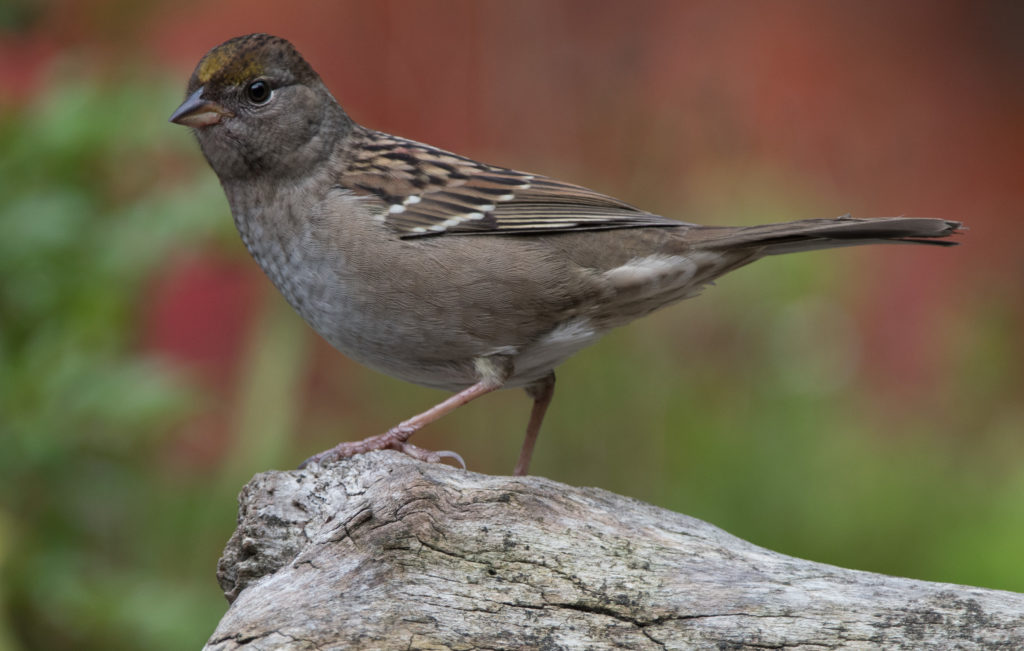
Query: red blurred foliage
{"x": 23, "y": 62}
{"x": 889, "y": 108}
{"x": 197, "y": 314}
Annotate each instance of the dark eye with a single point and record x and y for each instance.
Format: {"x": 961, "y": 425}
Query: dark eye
{"x": 258, "y": 91}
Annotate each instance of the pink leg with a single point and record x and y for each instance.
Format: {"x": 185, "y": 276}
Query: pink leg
{"x": 396, "y": 437}
{"x": 541, "y": 392}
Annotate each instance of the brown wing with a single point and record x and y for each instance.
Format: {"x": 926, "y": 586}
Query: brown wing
{"x": 429, "y": 191}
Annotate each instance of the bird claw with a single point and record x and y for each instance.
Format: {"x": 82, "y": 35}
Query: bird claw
{"x": 429, "y": 456}
{"x": 432, "y": 456}
{"x": 319, "y": 459}
{"x": 449, "y": 454}
{"x": 351, "y": 449}
{"x": 387, "y": 441}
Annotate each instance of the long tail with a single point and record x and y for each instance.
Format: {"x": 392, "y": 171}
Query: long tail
{"x": 814, "y": 234}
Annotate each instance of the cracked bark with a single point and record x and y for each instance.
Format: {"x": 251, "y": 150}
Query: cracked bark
{"x": 383, "y": 552}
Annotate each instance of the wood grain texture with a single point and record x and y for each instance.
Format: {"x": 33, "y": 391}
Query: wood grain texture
{"x": 383, "y": 552}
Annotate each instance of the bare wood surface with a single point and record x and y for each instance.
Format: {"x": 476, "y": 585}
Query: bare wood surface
{"x": 384, "y": 552}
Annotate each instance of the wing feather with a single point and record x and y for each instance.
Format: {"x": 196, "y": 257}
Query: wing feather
{"x": 430, "y": 191}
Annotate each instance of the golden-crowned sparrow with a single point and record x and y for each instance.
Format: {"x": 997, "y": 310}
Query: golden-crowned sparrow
{"x": 441, "y": 270}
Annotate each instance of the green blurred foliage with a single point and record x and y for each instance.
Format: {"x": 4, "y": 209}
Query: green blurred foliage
{"x": 92, "y": 527}
{"x": 17, "y": 14}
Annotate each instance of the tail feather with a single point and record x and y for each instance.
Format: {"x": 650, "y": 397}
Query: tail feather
{"x": 815, "y": 234}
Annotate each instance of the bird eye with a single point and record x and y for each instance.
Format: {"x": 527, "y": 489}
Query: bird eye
{"x": 258, "y": 92}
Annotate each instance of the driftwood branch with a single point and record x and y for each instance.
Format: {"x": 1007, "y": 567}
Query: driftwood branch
{"x": 383, "y": 552}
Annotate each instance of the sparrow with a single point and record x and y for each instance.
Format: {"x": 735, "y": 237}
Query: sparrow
{"x": 442, "y": 270}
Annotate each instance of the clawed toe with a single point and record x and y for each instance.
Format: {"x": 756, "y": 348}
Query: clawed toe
{"x": 319, "y": 459}
{"x": 387, "y": 441}
{"x": 449, "y": 454}
{"x": 431, "y": 456}
{"x": 352, "y": 448}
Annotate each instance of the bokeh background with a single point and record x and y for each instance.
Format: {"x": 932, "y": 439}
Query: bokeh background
{"x": 857, "y": 407}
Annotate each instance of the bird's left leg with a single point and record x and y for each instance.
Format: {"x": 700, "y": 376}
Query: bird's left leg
{"x": 492, "y": 371}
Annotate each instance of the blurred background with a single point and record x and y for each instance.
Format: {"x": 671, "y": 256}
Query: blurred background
{"x": 857, "y": 407}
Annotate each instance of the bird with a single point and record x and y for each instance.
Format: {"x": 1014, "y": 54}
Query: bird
{"x": 441, "y": 270}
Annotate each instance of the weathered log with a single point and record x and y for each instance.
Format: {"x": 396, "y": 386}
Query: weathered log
{"x": 384, "y": 552}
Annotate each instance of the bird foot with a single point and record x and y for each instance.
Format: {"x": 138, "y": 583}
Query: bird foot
{"x": 393, "y": 439}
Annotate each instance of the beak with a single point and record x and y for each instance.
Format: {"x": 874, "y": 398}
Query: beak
{"x": 197, "y": 112}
